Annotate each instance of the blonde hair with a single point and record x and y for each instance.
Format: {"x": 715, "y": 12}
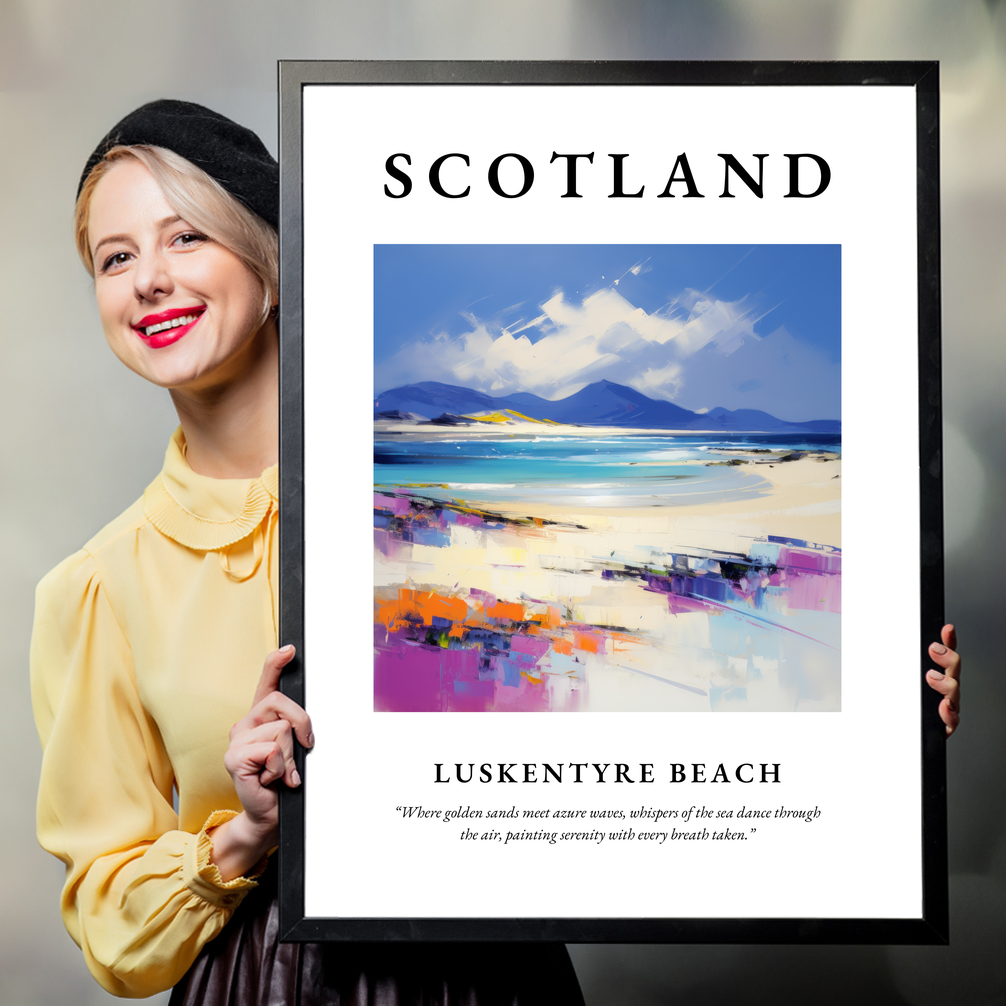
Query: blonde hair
{"x": 199, "y": 200}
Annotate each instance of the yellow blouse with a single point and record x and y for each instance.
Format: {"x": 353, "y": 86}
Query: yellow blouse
{"x": 147, "y": 647}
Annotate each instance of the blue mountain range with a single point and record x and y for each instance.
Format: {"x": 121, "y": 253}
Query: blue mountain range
{"x": 601, "y": 404}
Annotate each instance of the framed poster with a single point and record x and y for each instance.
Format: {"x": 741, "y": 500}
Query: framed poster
{"x": 592, "y": 377}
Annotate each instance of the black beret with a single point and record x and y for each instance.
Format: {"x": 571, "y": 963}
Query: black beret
{"x": 231, "y": 154}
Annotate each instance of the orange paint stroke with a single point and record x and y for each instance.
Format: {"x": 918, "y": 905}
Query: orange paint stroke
{"x": 422, "y": 606}
{"x": 418, "y": 605}
{"x": 592, "y": 642}
{"x": 503, "y": 609}
{"x": 622, "y": 642}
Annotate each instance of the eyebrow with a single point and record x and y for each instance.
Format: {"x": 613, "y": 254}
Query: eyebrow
{"x": 111, "y": 238}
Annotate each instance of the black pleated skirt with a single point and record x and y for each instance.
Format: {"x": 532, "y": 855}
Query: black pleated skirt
{"x": 246, "y": 965}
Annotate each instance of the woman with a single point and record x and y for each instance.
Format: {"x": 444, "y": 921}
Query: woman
{"x": 148, "y": 643}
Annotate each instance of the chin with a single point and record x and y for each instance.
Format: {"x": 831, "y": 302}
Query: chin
{"x": 170, "y": 374}
{"x": 191, "y": 364}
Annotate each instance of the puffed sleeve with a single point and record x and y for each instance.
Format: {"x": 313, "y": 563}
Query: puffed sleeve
{"x": 141, "y": 898}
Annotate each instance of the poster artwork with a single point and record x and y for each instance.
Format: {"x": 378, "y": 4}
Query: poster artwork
{"x": 613, "y": 327}
{"x": 607, "y": 477}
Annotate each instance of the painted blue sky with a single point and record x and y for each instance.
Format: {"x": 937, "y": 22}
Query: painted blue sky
{"x": 737, "y": 326}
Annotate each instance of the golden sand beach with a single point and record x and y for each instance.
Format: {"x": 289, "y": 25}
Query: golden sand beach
{"x": 661, "y": 604}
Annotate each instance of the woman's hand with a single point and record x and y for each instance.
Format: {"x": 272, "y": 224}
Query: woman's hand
{"x": 260, "y": 753}
{"x": 948, "y": 681}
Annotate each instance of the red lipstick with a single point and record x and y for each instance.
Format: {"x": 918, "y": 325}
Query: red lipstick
{"x": 165, "y": 332}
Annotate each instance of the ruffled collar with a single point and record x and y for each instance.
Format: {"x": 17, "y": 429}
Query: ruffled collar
{"x": 203, "y": 513}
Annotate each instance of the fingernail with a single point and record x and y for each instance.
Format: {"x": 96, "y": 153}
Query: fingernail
{"x": 295, "y": 777}
{"x": 936, "y": 675}
{"x": 938, "y": 648}
{"x": 287, "y": 649}
{"x": 310, "y": 740}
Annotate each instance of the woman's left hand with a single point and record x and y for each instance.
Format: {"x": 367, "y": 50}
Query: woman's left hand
{"x": 948, "y": 681}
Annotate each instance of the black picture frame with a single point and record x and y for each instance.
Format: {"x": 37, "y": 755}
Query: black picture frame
{"x": 932, "y": 926}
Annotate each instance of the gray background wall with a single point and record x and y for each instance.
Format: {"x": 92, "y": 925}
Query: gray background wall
{"x": 82, "y": 436}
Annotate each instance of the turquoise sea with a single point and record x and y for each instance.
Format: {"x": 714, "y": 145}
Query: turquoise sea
{"x": 639, "y": 470}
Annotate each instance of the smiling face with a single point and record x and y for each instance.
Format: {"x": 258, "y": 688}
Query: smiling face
{"x": 177, "y": 307}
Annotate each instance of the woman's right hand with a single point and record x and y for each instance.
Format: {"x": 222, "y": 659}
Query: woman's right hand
{"x": 260, "y": 753}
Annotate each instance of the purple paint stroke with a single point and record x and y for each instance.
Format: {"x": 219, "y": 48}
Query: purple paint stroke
{"x": 812, "y": 560}
{"x": 814, "y": 593}
{"x": 391, "y": 546}
{"x": 680, "y": 604}
{"x": 535, "y": 646}
{"x": 399, "y": 507}
{"x": 805, "y": 579}
{"x": 410, "y": 676}
{"x": 414, "y": 677}
{"x": 488, "y": 600}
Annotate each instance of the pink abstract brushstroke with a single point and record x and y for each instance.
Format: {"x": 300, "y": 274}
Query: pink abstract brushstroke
{"x": 535, "y": 646}
{"x": 816, "y": 560}
{"x": 813, "y": 579}
{"x": 398, "y": 506}
{"x": 810, "y": 592}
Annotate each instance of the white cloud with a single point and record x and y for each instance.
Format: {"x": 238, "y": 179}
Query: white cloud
{"x": 697, "y": 352}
